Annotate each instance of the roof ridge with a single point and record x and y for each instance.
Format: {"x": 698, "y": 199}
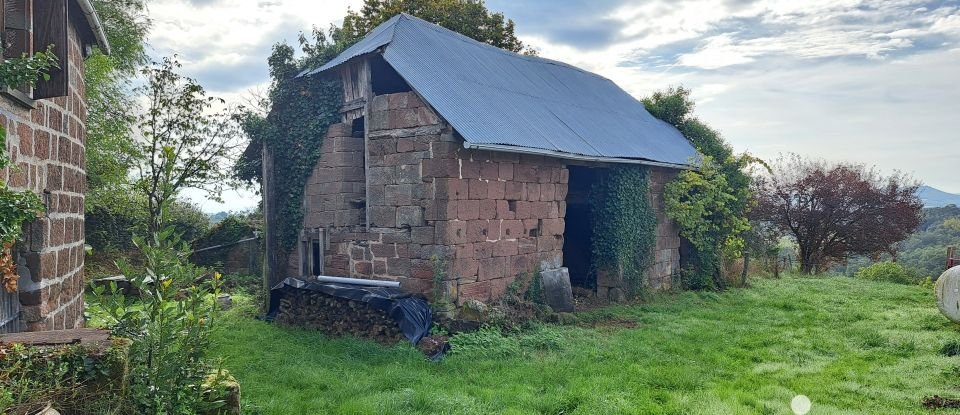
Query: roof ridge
{"x": 468, "y": 39}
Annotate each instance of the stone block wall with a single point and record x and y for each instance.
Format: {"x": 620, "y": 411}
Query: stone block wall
{"x": 46, "y": 144}
{"x": 486, "y": 217}
{"x": 413, "y": 193}
{"x": 665, "y": 268}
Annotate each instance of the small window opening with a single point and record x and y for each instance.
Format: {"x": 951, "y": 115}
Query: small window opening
{"x": 357, "y": 128}
{"x": 311, "y": 252}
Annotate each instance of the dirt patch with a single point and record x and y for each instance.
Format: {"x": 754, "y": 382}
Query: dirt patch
{"x": 586, "y": 300}
{"x": 939, "y": 402}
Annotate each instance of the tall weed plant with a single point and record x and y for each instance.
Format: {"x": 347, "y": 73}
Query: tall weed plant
{"x": 168, "y": 319}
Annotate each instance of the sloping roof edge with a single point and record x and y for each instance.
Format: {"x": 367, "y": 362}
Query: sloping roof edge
{"x": 379, "y": 37}
{"x": 694, "y": 164}
{"x": 92, "y": 19}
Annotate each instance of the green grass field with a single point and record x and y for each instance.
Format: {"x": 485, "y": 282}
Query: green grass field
{"x": 850, "y": 346}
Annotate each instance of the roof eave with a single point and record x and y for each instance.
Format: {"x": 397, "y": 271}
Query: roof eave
{"x": 96, "y": 27}
{"x": 571, "y": 156}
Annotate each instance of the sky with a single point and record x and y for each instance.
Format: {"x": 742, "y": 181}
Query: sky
{"x": 868, "y": 81}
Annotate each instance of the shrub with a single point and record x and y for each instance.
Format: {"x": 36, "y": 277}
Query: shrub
{"x": 113, "y": 216}
{"x": 888, "y": 271}
{"x": 169, "y": 325}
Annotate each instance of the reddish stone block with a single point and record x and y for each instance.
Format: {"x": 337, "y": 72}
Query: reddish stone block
{"x": 520, "y": 264}
{"x": 465, "y": 250}
{"x": 363, "y": 268}
{"x": 533, "y": 192}
{"x": 482, "y": 250}
{"x": 41, "y": 144}
{"x": 561, "y": 191}
{"x": 548, "y": 192}
{"x": 478, "y": 189}
{"x": 465, "y": 268}
{"x": 475, "y": 291}
{"x": 477, "y": 230}
{"x": 545, "y": 174}
{"x": 469, "y": 169}
{"x": 526, "y": 245}
{"x": 488, "y": 209}
{"x": 405, "y": 145}
{"x": 468, "y": 209}
{"x": 525, "y": 173}
{"x": 383, "y": 250}
{"x": 511, "y": 229}
{"x": 550, "y": 227}
{"x": 490, "y": 171}
{"x": 506, "y": 171}
{"x": 492, "y": 268}
{"x": 504, "y": 248}
{"x": 505, "y": 209}
{"x": 382, "y": 216}
{"x": 451, "y": 189}
{"x": 499, "y": 287}
{"x": 440, "y": 210}
{"x": 451, "y": 232}
{"x": 514, "y": 191}
{"x": 440, "y": 168}
{"x": 421, "y": 269}
{"x": 496, "y": 190}
{"x": 423, "y": 235}
{"x": 398, "y": 266}
{"x": 523, "y": 209}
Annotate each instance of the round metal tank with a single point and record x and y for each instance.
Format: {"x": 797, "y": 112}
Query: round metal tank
{"x": 948, "y": 294}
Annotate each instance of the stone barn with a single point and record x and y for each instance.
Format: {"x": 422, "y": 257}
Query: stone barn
{"x": 450, "y": 148}
{"x": 46, "y": 143}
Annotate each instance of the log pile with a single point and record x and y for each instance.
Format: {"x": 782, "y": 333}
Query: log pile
{"x": 336, "y": 316}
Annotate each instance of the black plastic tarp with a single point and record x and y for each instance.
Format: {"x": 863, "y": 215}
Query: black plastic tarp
{"x": 411, "y": 312}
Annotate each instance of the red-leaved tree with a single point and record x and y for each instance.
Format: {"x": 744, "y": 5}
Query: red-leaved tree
{"x": 837, "y": 210}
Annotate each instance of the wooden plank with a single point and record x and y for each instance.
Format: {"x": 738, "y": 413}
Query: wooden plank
{"x": 50, "y": 23}
{"x": 94, "y": 338}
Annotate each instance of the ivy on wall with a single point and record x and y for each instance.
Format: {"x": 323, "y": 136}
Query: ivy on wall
{"x": 625, "y": 237}
{"x": 301, "y": 111}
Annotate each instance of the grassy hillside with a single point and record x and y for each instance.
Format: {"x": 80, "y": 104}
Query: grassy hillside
{"x": 851, "y": 346}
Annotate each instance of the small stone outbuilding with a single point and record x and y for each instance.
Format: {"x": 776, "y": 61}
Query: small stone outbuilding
{"x": 46, "y": 139}
{"x": 453, "y": 152}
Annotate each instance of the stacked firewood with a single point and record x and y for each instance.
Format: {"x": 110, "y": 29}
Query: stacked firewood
{"x": 336, "y": 316}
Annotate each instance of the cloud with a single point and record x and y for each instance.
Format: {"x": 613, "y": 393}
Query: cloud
{"x": 871, "y": 81}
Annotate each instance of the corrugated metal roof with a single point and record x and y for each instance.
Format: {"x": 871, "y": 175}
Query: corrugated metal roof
{"x": 505, "y": 101}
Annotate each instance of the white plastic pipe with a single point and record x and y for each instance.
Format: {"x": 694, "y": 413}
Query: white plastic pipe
{"x": 357, "y": 281}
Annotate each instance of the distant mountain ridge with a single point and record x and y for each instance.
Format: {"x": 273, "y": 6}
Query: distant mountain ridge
{"x": 933, "y": 197}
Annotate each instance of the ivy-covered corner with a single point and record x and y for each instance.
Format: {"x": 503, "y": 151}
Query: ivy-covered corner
{"x": 624, "y": 230}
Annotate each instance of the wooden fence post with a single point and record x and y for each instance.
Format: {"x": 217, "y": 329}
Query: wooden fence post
{"x": 951, "y": 251}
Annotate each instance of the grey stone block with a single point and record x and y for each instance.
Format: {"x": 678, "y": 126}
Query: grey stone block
{"x": 556, "y": 289}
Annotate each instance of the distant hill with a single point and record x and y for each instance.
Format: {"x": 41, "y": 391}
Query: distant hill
{"x": 937, "y": 198}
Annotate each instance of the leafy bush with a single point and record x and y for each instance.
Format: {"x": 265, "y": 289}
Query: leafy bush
{"x": 113, "y": 216}
{"x": 169, "y": 324}
{"x": 235, "y": 227}
{"x": 888, "y": 271}
{"x": 77, "y": 379}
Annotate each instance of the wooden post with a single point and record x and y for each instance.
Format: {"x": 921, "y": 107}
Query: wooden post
{"x": 271, "y": 263}
{"x": 951, "y": 251}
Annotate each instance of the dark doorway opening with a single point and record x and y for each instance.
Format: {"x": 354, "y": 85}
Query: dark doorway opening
{"x": 578, "y": 231}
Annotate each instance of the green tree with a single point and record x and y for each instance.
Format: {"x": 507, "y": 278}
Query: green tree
{"x": 187, "y": 141}
{"x": 110, "y": 99}
{"x": 711, "y": 204}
